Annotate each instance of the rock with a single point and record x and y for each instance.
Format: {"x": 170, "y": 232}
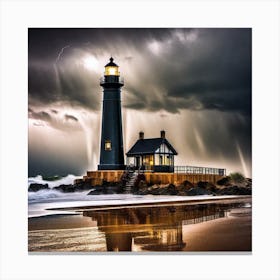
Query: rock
{"x": 159, "y": 190}
{"x": 171, "y": 189}
{"x": 248, "y": 185}
{"x": 227, "y": 186}
{"x": 201, "y": 188}
{"x": 34, "y": 187}
{"x": 142, "y": 192}
{"x": 225, "y": 181}
{"x": 142, "y": 185}
{"x": 113, "y": 189}
{"x": 106, "y": 188}
{"x": 183, "y": 188}
{"x": 139, "y": 182}
{"x": 207, "y": 186}
{"x": 154, "y": 190}
{"x": 106, "y": 184}
{"x": 245, "y": 191}
{"x": 83, "y": 186}
{"x": 188, "y": 185}
{"x": 182, "y": 193}
{"x": 234, "y": 190}
{"x": 65, "y": 188}
{"x": 198, "y": 191}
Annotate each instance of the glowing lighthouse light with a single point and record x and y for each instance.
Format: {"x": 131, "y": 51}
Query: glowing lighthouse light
{"x": 111, "y": 69}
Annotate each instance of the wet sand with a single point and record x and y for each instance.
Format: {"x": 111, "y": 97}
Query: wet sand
{"x": 78, "y": 233}
{"x": 233, "y": 233}
{"x": 59, "y": 222}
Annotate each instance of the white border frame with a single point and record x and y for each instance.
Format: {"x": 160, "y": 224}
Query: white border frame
{"x": 17, "y": 16}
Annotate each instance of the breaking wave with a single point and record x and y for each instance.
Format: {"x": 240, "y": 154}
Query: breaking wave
{"x": 44, "y": 195}
{"x": 69, "y": 179}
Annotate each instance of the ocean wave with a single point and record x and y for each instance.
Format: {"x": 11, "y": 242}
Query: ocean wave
{"x": 69, "y": 179}
{"x": 44, "y": 195}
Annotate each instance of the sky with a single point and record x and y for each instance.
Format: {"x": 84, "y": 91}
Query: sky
{"x": 193, "y": 83}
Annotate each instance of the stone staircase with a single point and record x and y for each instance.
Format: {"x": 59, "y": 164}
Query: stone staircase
{"x": 132, "y": 176}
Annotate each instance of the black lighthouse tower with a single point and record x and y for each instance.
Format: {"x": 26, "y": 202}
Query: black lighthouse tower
{"x": 111, "y": 149}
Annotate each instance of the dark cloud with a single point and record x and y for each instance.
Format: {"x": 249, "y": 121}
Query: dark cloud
{"x": 56, "y": 84}
{"x": 71, "y": 118}
{"x": 54, "y": 120}
{"x": 213, "y": 71}
{"x": 48, "y": 42}
{"x": 208, "y": 68}
{"x": 42, "y": 115}
{"x": 165, "y": 71}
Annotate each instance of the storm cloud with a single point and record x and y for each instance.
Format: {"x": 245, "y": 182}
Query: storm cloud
{"x": 54, "y": 119}
{"x": 165, "y": 69}
{"x": 167, "y": 72}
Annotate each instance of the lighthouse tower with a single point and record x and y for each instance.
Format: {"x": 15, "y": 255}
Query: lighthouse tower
{"x": 111, "y": 147}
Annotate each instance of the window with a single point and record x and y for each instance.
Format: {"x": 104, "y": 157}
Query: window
{"x": 148, "y": 160}
{"x": 167, "y": 162}
{"x": 108, "y": 145}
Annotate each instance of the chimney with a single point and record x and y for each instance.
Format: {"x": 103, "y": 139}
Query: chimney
{"x": 141, "y": 135}
{"x": 162, "y": 134}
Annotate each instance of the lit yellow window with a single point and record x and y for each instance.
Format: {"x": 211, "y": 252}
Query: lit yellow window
{"x": 108, "y": 145}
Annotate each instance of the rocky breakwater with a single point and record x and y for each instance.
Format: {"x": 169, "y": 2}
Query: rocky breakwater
{"x": 234, "y": 184}
{"x": 65, "y": 188}
{"x": 34, "y": 187}
{"x": 85, "y": 185}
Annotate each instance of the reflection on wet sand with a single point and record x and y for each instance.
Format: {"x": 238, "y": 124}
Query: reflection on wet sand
{"x": 152, "y": 228}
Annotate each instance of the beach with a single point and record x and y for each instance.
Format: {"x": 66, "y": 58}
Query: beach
{"x": 212, "y": 225}
{"x": 227, "y": 234}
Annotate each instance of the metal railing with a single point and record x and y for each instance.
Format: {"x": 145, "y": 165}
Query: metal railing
{"x": 199, "y": 170}
{"x": 111, "y": 79}
{"x": 181, "y": 169}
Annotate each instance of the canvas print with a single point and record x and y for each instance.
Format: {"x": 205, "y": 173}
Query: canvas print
{"x": 139, "y": 140}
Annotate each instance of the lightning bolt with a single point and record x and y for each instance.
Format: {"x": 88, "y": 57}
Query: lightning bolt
{"x": 60, "y": 53}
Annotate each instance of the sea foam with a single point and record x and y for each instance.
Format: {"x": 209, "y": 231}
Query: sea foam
{"x": 44, "y": 195}
{"x": 69, "y": 179}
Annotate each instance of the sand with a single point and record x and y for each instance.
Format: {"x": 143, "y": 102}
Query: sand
{"x": 77, "y": 233}
{"x": 225, "y": 234}
{"x": 59, "y": 222}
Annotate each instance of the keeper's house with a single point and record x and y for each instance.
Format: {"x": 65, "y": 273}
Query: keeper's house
{"x": 154, "y": 155}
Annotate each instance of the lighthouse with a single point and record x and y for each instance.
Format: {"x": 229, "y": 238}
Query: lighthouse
{"x": 111, "y": 146}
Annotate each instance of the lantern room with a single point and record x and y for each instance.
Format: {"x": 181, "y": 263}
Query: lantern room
{"x": 111, "y": 69}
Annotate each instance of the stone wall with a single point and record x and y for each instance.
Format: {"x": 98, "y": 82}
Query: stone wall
{"x": 178, "y": 178}
{"x": 97, "y": 177}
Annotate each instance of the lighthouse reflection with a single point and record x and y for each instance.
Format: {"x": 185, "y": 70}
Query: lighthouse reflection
{"x": 152, "y": 228}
